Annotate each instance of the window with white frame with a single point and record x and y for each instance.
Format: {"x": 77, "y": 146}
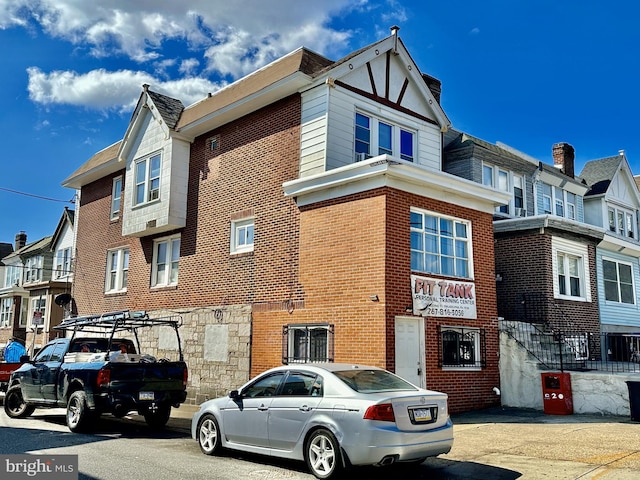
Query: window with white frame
{"x": 242, "y": 235}
{"x": 559, "y": 199}
{"x": 6, "y": 312}
{"x": 33, "y": 269}
{"x": 618, "y": 281}
{"x": 506, "y": 181}
{"x": 38, "y": 310}
{"x": 307, "y": 343}
{"x": 117, "y": 270}
{"x": 440, "y": 244}
{"x": 376, "y": 137}
{"x": 116, "y": 197}
{"x": 571, "y": 205}
{"x": 63, "y": 264}
{"x": 147, "y": 175}
{"x": 622, "y": 222}
{"x": 547, "y": 205}
{"x": 462, "y": 347}
{"x": 570, "y": 270}
{"x": 12, "y": 275}
{"x": 166, "y": 257}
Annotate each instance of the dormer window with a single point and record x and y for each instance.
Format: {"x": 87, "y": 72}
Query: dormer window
{"x": 33, "y": 269}
{"x": 148, "y": 179}
{"x": 376, "y": 137}
{"x": 622, "y": 222}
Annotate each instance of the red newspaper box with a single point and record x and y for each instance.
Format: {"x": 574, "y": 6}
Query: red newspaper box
{"x": 556, "y": 393}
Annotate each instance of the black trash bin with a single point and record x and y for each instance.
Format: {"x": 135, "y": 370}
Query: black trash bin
{"x": 634, "y": 400}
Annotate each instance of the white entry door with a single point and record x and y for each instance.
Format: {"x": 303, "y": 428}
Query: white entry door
{"x": 410, "y": 354}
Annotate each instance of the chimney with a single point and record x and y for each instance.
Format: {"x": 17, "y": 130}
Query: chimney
{"x": 21, "y": 240}
{"x": 434, "y": 85}
{"x": 563, "y": 157}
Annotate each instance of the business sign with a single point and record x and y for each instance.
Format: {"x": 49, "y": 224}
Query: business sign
{"x": 437, "y": 297}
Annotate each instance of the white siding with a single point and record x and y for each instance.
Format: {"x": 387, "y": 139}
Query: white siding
{"x": 313, "y": 132}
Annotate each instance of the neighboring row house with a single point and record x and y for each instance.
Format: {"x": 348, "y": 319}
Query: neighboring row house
{"x": 33, "y": 276}
{"x": 300, "y": 214}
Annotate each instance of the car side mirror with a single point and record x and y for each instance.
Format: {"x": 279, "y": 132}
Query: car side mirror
{"x": 234, "y": 395}
{"x": 24, "y": 358}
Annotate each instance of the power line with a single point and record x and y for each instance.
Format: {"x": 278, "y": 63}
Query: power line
{"x": 38, "y": 196}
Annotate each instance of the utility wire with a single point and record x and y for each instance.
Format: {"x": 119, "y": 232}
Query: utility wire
{"x": 38, "y": 196}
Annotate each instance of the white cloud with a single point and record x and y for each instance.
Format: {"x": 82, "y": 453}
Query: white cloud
{"x": 475, "y": 31}
{"x": 99, "y": 89}
{"x": 214, "y": 38}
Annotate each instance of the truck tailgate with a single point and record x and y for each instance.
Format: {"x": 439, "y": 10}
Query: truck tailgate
{"x": 134, "y": 377}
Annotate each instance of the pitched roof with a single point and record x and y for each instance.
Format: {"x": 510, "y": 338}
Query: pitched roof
{"x": 599, "y": 173}
{"x": 463, "y": 140}
{"x": 168, "y": 108}
{"x": 96, "y": 161}
{"x": 5, "y": 249}
{"x": 301, "y": 60}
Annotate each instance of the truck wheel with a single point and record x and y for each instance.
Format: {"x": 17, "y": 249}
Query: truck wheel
{"x": 14, "y": 404}
{"x": 78, "y": 413}
{"x": 157, "y": 418}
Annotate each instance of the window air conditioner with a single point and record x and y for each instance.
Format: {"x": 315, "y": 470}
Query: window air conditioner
{"x": 360, "y": 156}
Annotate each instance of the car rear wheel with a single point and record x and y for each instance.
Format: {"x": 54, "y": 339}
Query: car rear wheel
{"x": 323, "y": 456}
{"x": 158, "y": 417}
{"x": 14, "y": 404}
{"x": 78, "y": 413}
{"x": 209, "y": 435}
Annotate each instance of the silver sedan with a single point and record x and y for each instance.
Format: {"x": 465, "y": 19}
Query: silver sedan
{"x": 329, "y": 415}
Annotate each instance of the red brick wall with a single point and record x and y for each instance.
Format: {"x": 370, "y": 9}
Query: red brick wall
{"x": 256, "y": 155}
{"x": 357, "y": 246}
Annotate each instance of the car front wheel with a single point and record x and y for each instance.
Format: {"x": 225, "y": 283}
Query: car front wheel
{"x": 323, "y": 456}
{"x": 14, "y": 404}
{"x": 209, "y": 435}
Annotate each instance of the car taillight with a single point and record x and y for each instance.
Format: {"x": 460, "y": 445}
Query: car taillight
{"x": 185, "y": 377}
{"x": 104, "y": 377}
{"x": 382, "y": 412}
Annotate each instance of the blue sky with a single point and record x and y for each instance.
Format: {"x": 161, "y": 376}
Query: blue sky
{"x": 525, "y": 73}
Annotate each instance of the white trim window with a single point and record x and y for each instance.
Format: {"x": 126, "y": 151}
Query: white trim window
{"x": 12, "y": 276}
{"x": 376, "y": 137}
{"x": 33, "y": 269}
{"x": 6, "y": 312}
{"x": 38, "y": 305}
{"x": 571, "y": 270}
{"x": 506, "y": 181}
{"x": 547, "y": 202}
{"x": 571, "y": 205}
{"x": 440, "y": 244}
{"x": 242, "y": 235}
{"x": 117, "y": 270}
{"x": 63, "y": 262}
{"x": 166, "y": 257}
{"x": 622, "y": 222}
{"x": 618, "y": 281}
{"x": 116, "y": 197}
{"x": 147, "y": 175}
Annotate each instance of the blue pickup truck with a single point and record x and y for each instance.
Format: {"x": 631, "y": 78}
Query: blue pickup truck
{"x": 97, "y": 368}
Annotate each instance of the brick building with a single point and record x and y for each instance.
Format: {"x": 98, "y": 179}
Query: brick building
{"x": 299, "y": 214}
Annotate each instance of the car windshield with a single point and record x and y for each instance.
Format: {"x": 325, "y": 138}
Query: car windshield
{"x": 371, "y": 381}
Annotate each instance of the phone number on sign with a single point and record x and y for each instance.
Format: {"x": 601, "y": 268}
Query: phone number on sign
{"x": 444, "y": 312}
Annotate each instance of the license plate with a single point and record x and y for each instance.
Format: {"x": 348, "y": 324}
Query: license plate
{"x": 422, "y": 414}
{"x": 145, "y": 396}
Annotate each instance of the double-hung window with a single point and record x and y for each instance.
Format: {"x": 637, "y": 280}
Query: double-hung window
{"x": 559, "y": 197}
{"x": 147, "y": 174}
{"x": 571, "y": 205}
{"x": 462, "y": 347}
{"x": 377, "y": 137}
{"x": 63, "y": 262}
{"x": 117, "y": 270}
{"x": 116, "y": 197}
{"x": 618, "y": 281}
{"x": 242, "y": 235}
{"x": 622, "y": 222}
{"x": 166, "y": 257}
{"x": 307, "y": 343}
{"x": 12, "y": 275}
{"x": 440, "y": 244}
{"x": 33, "y": 269}
{"x": 506, "y": 181}
{"x": 547, "y": 206}
{"x": 6, "y": 312}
